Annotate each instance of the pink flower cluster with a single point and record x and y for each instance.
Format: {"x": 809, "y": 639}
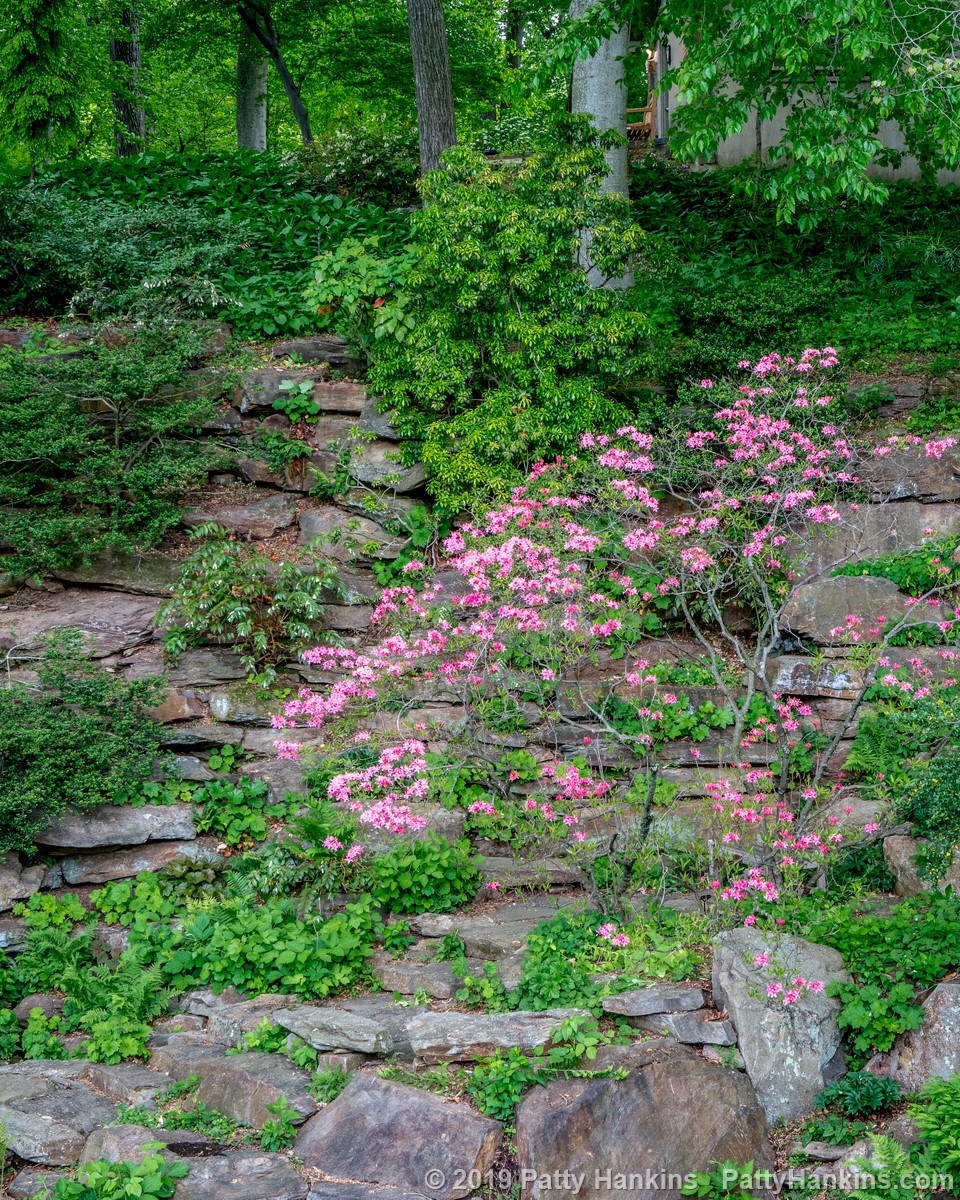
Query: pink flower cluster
{"x": 608, "y": 931}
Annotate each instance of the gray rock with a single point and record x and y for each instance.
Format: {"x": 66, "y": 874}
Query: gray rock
{"x": 123, "y": 864}
{"x": 51, "y": 1004}
{"x": 242, "y": 1085}
{"x": 435, "y": 978}
{"x": 340, "y": 396}
{"x": 184, "y": 1054}
{"x": 228, "y": 1022}
{"x": 873, "y": 530}
{"x": 933, "y": 1050}
{"x": 119, "y": 825}
{"x": 13, "y": 934}
{"x": 674, "y": 1114}
{"x": 347, "y": 537}
{"x": 204, "y": 1001}
{"x": 29, "y": 1183}
{"x": 321, "y": 347}
{"x": 376, "y": 463}
{"x": 824, "y": 1152}
{"x": 347, "y": 618}
{"x": 259, "y": 389}
{"x": 815, "y": 609}
{"x": 125, "y": 1083}
{"x": 150, "y": 572}
{"x": 484, "y": 937}
{"x": 330, "y": 1028}
{"x": 242, "y": 704}
{"x": 125, "y": 1143}
{"x": 70, "y": 1104}
{"x": 786, "y": 1048}
{"x": 214, "y": 665}
{"x": 912, "y": 473}
{"x": 258, "y": 519}
{"x": 16, "y": 881}
{"x": 540, "y": 872}
{"x": 656, "y": 998}
{"x": 469, "y": 1037}
{"x": 41, "y": 1139}
{"x": 328, "y": 1190}
{"x": 690, "y": 1028}
{"x": 899, "y": 853}
{"x": 392, "y": 1018}
{"x": 242, "y": 1175}
{"x": 109, "y": 621}
{"x": 356, "y": 1138}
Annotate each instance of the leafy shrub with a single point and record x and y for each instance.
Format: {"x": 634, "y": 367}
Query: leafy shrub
{"x": 916, "y": 572}
{"x": 511, "y": 354}
{"x": 366, "y": 163}
{"x": 556, "y": 970}
{"x": 99, "y": 447}
{"x": 279, "y": 1131}
{"x": 937, "y": 1112}
{"x": 834, "y": 1130}
{"x": 427, "y": 876}
{"x": 265, "y": 948}
{"x": 39, "y": 1038}
{"x": 327, "y": 1084}
{"x": 124, "y": 900}
{"x": 859, "y": 1094}
{"x": 153, "y": 1178}
{"x": 930, "y": 801}
{"x": 9, "y": 1034}
{"x": 235, "y": 812}
{"x": 244, "y": 224}
{"x": 233, "y": 594}
{"x": 75, "y": 741}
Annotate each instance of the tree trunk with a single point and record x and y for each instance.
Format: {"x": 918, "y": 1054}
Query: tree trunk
{"x": 256, "y": 17}
{"x": 436, "y": 124}
{"x": 598, "y": 89}
{"x": 130, "y": 131}
{"x": 253, "y": 66}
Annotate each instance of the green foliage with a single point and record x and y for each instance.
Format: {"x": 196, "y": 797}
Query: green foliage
{"x": 113, "y": 1004}
{"x": 930, "y": 801}
{"x": 365, "y": 163}
{"x": 297, "y": 400}
{"x": 834, "y": 1130}
{"x": 859, "y": 1094}
{"x": 327, "y": 1083}
{"x": 39, "y": 97}
{"x": 99, "y": 447}
{"x": 917, "y": 572}
{"x": 889, "y": 956}
{"x": 279, "y": 1131}
{"x": 230, "y": 593}
{"x": 198, "y": 1119}
{"x": 432, "y": 875}
{"x": 279, "y": 451}
{"x": 937, "y": 1113}
{"x": 265, "y": 948}
{"x": 510, "y": 354}
{"x": 45, "y": 911}
{"x": 235, "y": 812}
{"x": 498, "y": 1084}
{"x": 351, "y": 286}
{"x": 153, "y": 1177}
{"x": 267, "y": 1038}
{"x": 124, "y": 900}
{"x": 556, "y": 967}
{"x": 226, "y": 229}
{"x": 39, "y": 1039}
{"x": 886, "y": 1172}
{"x": 484, "y": 991}
{"x": 397, "y": 937}
{"x": 9, "y": 1034}
{"x": 77, "y": 740}
{"x": 726, "y": 1180}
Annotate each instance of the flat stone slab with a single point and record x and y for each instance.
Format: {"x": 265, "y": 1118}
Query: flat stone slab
{"x": 258, "y": 519}
{"x": 815, "y": 609}
{"x": 658, "y": 998}
{"x": 468, "y": 1037}
{"x": 125, "y": 1083}
{"x": 33, "y": 1182}
{"x": 124, "y": 864}
{"x": 242, "y": 1085}
{"x": 689, "y": 1028}
{"x": 150, "y": 573}
{"x": 184, "y": 1054}
{"x": 242, "y": 1175}
{"x": 435, "y": 978}
{"x": 119, "y": 825}
{"x": 41, "y": 1139}
{"x": 390, "y": 1134}
{"x": 359, "y": 536}
{"x": 513, "y": 872}
{"x": 110, "y": 621}
{"x": 328, "y": 1190}
{"x": 330, "y": 1028}
{"x": 68, "y": 1103}
{"x": 117, "y": 1143}
{"x": 228, "y": 1022}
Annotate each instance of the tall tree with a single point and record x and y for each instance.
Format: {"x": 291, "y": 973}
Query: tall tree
{"x": 436, "y": 123}
{"x": 130, "y": 130}
{"x": 598, "y": 90}
{"x": 40, "y": 96}
{"x": 253, "y": 67}
{"x": 256, "y": 16}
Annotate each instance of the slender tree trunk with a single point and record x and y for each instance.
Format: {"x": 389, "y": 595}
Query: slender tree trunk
{"x": 130, "y": 131}
{"x": 598, "y": 89}
{"x": 253, "y": 66}
{"x": 436, "y": 124}
{"x": 256, "y": 17}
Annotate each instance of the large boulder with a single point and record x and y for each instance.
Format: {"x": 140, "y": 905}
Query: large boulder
{"x": 149, "y": 572}
{"x": 257, "y": 519}
{"x": 672, "y": 1115}
{"x": 347, "y": 537}
{"x": 815, "y": 610}
{"x": 786, "y": 1048}
{"x": 241, "y": 1086}
{"x": 110, "y": 622}
{"x": 16, "y": 881}
{"x": 399, "y": 1136}
{"x": 933, "y": 1050}
{"x": 909, "y": 472}
{"x": 899, "y": 854}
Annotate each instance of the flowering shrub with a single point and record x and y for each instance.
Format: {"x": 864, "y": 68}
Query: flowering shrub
{"x": 541, "y": 630}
